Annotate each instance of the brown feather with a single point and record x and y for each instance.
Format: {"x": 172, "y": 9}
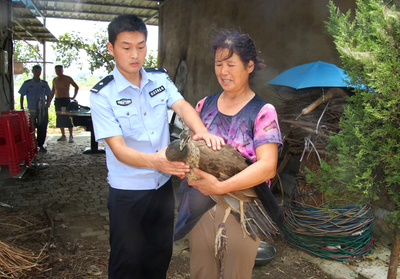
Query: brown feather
{"x": 224, "y": 164}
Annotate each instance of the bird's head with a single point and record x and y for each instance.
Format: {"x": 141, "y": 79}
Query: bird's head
{"x": 184, "y": 138}
{"x": 174, "y": 151}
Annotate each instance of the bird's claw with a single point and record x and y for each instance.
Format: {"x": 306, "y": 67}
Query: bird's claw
{"x": 243, "y": 220}
{"x": 220, "y": 239}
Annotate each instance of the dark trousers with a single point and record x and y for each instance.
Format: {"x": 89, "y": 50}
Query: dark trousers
{"x": 41, "y": 128}
{"x": 62, "y": 121}
{"x": 141, "y": 232}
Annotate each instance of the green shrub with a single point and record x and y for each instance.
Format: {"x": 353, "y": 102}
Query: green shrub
{"x": 52, "y": 117}
{"x": 365, "y": 165}
{"x": 365, "y": 154}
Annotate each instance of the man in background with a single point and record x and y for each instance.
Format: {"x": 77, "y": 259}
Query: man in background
{"x": 61, "y": 85}
{"x": 36, "y": 92}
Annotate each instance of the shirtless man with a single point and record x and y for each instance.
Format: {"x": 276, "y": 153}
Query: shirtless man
{"x": 61, "y": 85}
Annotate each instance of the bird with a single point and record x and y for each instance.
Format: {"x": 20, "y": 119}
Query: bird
{"x": 245, "y": 204}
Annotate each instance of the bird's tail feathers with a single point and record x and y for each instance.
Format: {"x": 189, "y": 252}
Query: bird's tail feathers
{"x": 258, "y": 222}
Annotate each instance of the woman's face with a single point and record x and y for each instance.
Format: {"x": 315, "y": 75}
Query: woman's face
{"x": 232, "y": 75}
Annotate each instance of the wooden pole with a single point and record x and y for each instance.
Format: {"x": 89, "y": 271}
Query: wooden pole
{"x": 331, "y": 93}
{"x": 394, "y": 256}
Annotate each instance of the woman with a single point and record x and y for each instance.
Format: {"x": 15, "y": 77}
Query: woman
{"x": 247, "y": 122}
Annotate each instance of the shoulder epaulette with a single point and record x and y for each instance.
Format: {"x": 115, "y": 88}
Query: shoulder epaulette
{"x": 28, "y": 80}
{"x": 160, "y": 70}
{"x": 43, "y": 81}
{"x": 102, "y": 83}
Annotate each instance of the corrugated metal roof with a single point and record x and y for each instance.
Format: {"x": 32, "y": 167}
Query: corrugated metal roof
{"x": 28, "y": 14}
{"x": 103, "y": 10}
{"x": 26, "y": 26}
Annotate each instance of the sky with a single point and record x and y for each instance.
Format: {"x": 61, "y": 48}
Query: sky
{"x": 86, "y": 28}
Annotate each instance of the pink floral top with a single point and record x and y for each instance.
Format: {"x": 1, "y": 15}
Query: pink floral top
{"x": 255, "y": 124}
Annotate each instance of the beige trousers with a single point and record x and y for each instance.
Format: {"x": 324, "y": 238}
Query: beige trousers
{"x": 240, "y": 255}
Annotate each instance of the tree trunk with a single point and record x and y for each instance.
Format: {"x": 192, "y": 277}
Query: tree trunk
{"x": 394, "y": 256}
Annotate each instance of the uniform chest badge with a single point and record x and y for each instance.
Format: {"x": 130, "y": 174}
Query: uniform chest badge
{"x": 124, "y": 102}
{"x": 156, "y": 91}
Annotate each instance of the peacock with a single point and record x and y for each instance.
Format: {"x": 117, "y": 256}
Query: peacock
{"x": 248, "y": 205}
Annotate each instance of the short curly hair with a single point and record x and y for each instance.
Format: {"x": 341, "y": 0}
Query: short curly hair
{"x": 239, "y": 43}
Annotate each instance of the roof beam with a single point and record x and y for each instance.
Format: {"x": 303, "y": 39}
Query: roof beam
{"x": 25, "y": 16}
{"x": 150, "y": 17}
{"x": 32, "y": 6}
{"x": 29, "y": 25}
{"x": 40, "y": 56}
{"x": 41, "y": 38}
{"x": 48, "y": 13}
{"x": 94, "y": 3}
{"x": 27, "y": 30}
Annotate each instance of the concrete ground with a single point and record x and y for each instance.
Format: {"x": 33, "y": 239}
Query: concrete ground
{"x": 74, "y": 190}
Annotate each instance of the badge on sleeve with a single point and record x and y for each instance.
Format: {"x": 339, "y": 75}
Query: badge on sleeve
{"x": 124, "y": 102}
{"x": 160, "y": 70}
{"x": 156, "y": 91}
{"x": 102, "y": 83}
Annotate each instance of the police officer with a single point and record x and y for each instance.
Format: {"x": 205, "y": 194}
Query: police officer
{"x": 37, "y": 91}
{"x": 129, "y": 112}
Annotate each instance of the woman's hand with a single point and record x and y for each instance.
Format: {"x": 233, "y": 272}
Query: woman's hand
{"x": 211, "y": 140}
{"x": 208, "y": 184}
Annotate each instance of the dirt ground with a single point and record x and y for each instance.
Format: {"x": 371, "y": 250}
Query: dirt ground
{"x": 44, "y": 247}
{"x": 67, "y": 255}
{"x": 283, "y": 266}
{"x": 70, "y": 257}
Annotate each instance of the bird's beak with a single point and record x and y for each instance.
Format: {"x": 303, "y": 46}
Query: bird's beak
{"x": 184, "y": 141}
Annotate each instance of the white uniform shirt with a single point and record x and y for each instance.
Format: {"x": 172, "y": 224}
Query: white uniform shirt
{"x": 140, "y": 116}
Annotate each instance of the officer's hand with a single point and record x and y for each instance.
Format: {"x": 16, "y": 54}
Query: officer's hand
{"x": 161, "y": 163}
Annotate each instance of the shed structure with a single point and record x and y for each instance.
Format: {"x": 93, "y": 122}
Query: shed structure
{"x": 286, "y": 32}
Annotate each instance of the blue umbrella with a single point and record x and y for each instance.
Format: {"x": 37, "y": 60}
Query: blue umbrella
{"x": 315, "y": 74}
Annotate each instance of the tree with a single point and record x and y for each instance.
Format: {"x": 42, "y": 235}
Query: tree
{"x": 25, "y": 52}
{"x": 70, "y": 44}
{"x": 365, "y": 154}
{"x": 151, "y": 60}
